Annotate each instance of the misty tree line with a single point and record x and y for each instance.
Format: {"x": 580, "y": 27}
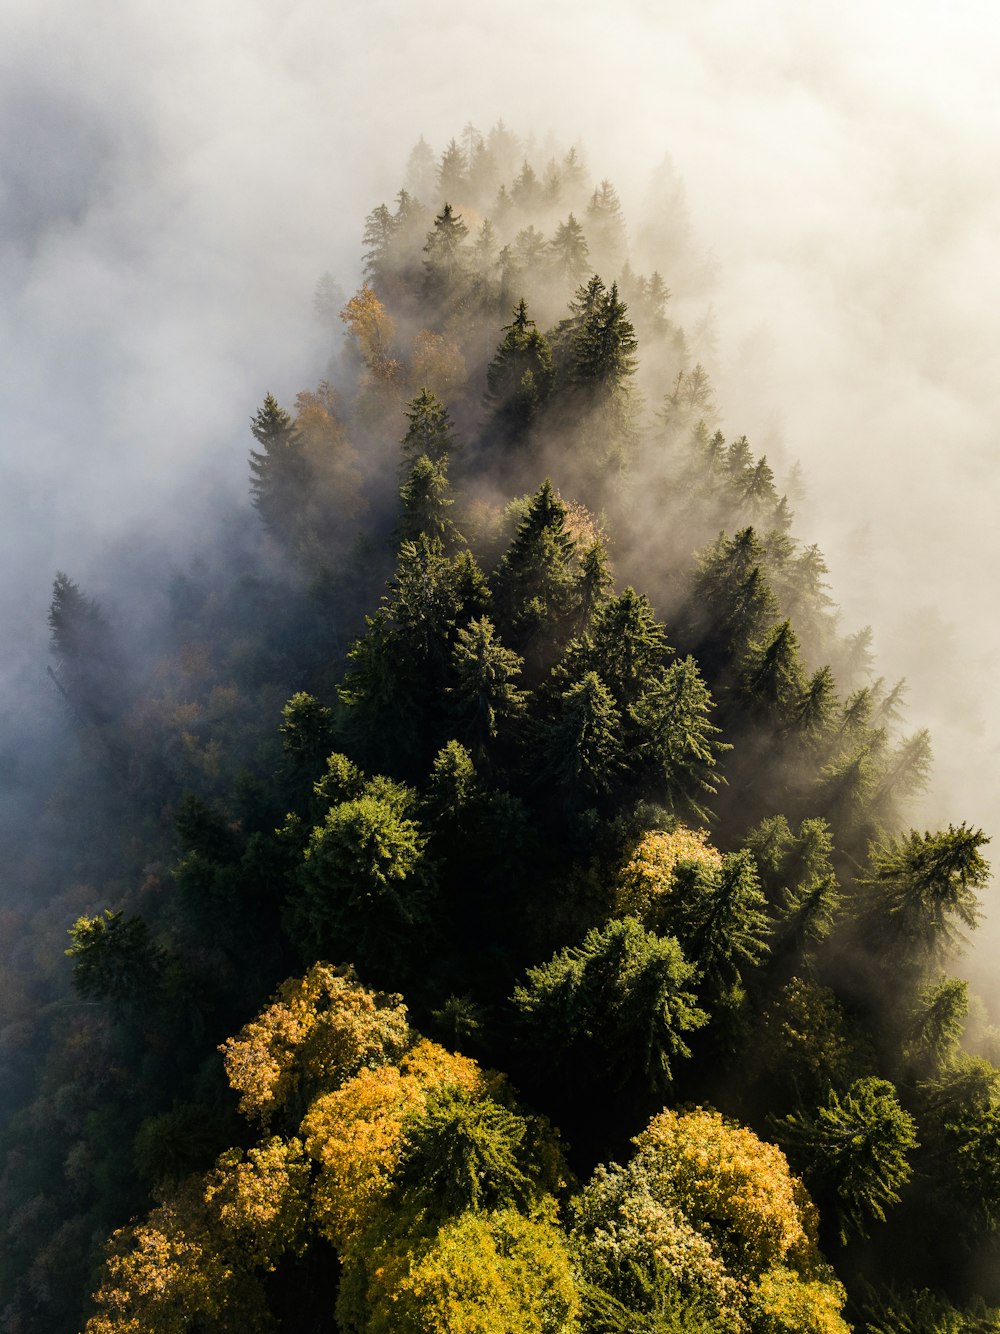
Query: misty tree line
{"x": 514, "y": 730}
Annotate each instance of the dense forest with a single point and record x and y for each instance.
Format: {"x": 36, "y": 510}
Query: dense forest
{"x": 480, "y": 896}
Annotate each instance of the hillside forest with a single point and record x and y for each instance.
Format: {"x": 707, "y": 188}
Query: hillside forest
{"x": 479, "y": 894}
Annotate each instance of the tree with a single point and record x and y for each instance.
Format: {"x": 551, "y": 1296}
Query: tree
{"x": 919, "y": 891}
{"x": 569, "y": 252}
{"x": 317, "y": 1033}
{"x": 466, "y": 1152}
{"x": 580, "y": 741}
{"x": 88, "y": 665}
{"x": 679, "y": 744}
{"x": 773, "y": 682}
{"x": 445, "y": 267}
{"x": 731, "y": 602}
{"x": 854, "y": 1149}
{"x": 426, "y": 500}
{"x": 115, "y": 960}
{"x": 430, "y": 431}
{"x": 484, "y": 696}
{"x": 364, "y": 882}
{"x": 518, "y": 379}
{"x": 534, "y": 582}
{"x": 606, "y": 226}
{"x": 621, "y": 995}
{"x": 484, "y": 1272}
{"x": 625, "y": 644}
{"x": 277, "y": 470}
{"x": 717, "y": 915}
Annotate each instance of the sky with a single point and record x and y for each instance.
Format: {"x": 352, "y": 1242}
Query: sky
{"x": 174, "y": 179}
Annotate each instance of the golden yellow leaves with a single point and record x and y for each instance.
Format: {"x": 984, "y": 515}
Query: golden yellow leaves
{"x": 355, "y": 1133}
{"x": 716, "y": 1170}
{"x": 649, "y": 871}
{"x": 322, "y": 1029}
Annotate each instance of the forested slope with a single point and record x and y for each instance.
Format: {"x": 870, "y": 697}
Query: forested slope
{"x": 511, "y": 729}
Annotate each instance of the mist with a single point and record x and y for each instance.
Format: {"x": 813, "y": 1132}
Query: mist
{"x": 172, "y": 184}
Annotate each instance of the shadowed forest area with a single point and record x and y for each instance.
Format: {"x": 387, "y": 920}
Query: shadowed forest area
{"x": 481, "y": 895}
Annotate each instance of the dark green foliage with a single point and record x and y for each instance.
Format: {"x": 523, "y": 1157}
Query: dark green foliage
{"x": 484, "y": 698}
{"x": 719, "y": 920}
{"x": 731, "y": 603}
{"x": 518, "y": 379}
{"x": 621, "y": 997}
{"x": 468, "y": 1152}
{"x": 679, "y": 744}
{"x": 854, "y": 1151}
{"x": 430, "y": 431}
{"x": 920, "y": 891}
{"x": 534, "y": 585}
{"x": 307, "y": 731}
{"x": 364, "y": 883}
{"x": 426, "y": 499}
{"x": 115, "y": 960}
{"x": 579, "y": 744}
{"x": 88, "y": 665}
{"x": 278, "y": 470}
{"x": 926, "y": 1312}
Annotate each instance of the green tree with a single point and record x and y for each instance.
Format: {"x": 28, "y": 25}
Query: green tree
{"x": 518, "y": 379}
{"x": 115, "y": 960}
{"x": 622, "y": 996}
{"x": 426, "y": 499}
{"x": 429, "y": 432}
{"x": 278, "y": 471}
{"x": 918, "y": 892}
{"x": 466, "y": 1152}
{"x": 534, "y": 584}
{"x": 679, "y": 745}
{"x": 445, "y": 268}
{"x": 484, "y": 696}
{"x": 569, "y": 252}
{"x": 364, "y": 883}
{"x": 580, "y": 743}
{"x": 854, "y": 1150}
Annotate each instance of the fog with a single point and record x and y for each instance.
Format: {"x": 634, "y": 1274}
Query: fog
{"x": 174, "y": 180}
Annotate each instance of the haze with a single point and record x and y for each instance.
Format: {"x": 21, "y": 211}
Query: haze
{"x": 173, "y": 181}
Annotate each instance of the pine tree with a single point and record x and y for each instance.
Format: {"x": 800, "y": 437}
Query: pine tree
{"x": 534, "y": 582}
{"x": 569, "y": 252}
{"x": 445, "y": 268}
{"x": 430, "y": 430}
{"x": 854, "y": 1150}
{"x": 518, "y": 379}
{"x": 89, "y": 671}
{"x": 580, "y": 743}
{"x": 484, "y": 696}
{"x": 426, "y": 500}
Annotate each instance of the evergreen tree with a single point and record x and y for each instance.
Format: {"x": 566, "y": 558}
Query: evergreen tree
{"x": 679, "y": 743}
{"x": 518, "y": 379}
{"x": 854, "y": 1150}
{"x": 429, "y": 432}
{"x": 445, "y": 268}
{"x": 88, "y": 665}
{"x": 580, "y": 742}
{"x": 621, "y": 997}
{"x": 918, "y": 892}
{"x": 484, "y": 696}
{"x": 569, "y": 252}
{"x": 534, "y": 582}
{"x": 426, "y": 500}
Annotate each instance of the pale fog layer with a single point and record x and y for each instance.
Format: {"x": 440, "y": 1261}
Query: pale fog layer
{"x": 173, "y": 181}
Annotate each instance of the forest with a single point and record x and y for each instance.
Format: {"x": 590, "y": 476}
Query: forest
{"x": 481, "y": 897}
